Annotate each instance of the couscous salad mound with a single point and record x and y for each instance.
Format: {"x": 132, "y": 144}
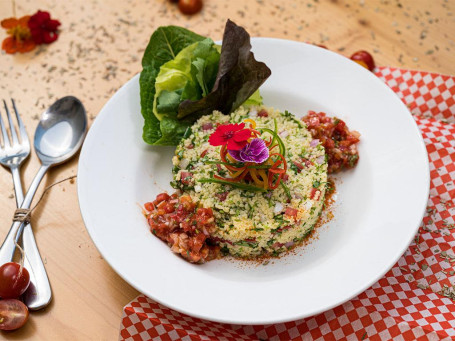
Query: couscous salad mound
{"x": 251, "y": 222}
{"x": 270, "y": 208}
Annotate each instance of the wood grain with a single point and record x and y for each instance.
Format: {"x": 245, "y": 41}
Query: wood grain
{"x": 100, "y": 48}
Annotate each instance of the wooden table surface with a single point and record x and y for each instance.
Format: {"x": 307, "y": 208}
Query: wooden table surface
{"x": 100, "y": 48}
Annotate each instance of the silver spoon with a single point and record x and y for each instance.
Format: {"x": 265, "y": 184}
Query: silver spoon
{"x": 58, "y": 137}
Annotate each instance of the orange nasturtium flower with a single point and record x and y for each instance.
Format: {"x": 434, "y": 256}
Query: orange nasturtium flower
{"x": 20, "y": 37}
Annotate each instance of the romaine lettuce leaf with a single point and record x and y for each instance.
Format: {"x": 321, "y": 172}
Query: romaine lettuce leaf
{"x": 165, "y": 43}
{"x": 188, "y": 76}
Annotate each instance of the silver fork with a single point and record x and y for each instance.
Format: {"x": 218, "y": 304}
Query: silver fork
{"x": 12, "y": 153}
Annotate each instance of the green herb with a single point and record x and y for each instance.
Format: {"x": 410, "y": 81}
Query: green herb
{"x": 257, "y": 229}
{"x": 316, "y": 183}
{"x": 292, "y": 117}
{"x": 353, "y": 159}
{"x": 286, "y": 190}
{"x": 224, "y": 250}
{"x": 293, "y": 167}
{"x": 246, "y": 243}
{"x": 250, "y": 211}
{"x": 243, "y": 186}
{"x": 274, "y": 231}
{"x": 210, "y": 162}
{"x": 187, "y": 133}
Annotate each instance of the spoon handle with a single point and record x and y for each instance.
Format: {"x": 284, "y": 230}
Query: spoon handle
{"x": 39, "y": 293}
{"x": 9, "y": 246}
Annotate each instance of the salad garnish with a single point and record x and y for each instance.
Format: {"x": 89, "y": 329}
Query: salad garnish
{"x": 248, "y": 155}
{"x": 255, "y": 151}
{"x": 186, "y": 76}
{"x": 232, "y": 135}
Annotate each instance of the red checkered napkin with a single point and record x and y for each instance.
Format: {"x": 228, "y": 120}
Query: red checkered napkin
{"x": 413, "y": 301}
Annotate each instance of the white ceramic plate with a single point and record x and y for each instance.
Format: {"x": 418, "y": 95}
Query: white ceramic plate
{"x": 380, "y": 203}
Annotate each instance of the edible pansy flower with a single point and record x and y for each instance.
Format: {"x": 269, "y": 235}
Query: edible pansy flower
{"x": 19, "y": 39}
{"x": 43, "y": 29}
{"x": 256, "y": 151}
{"x": 233, "y": 136}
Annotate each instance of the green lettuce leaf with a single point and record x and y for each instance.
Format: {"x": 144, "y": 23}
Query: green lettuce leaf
{"x": 188, "y": 76}
{"x": 191, "y": 73}
{"x": 255, "y": 99}
{"x": 165, "y": 43}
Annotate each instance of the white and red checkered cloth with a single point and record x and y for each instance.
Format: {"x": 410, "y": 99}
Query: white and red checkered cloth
{"x": 413, "y": 301}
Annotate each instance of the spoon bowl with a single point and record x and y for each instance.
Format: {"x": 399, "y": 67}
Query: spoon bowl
{"x": 61, "y": 131}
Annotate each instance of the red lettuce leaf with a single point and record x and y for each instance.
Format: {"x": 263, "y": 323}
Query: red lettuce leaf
{"x": 239, "y": 76}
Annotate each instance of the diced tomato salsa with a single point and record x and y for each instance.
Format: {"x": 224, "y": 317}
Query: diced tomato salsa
{"x": 339, "y": 142}
{"x": 183, "y": 226}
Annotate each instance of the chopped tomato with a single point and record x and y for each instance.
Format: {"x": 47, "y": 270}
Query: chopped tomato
{"x": 186, "y": 177}
{"x": 339, "y": 142}
{"x": 204, "y": 215}
{"x": 307, "y": 162}
{"x": 298, "y": 165}
{"x": 263, "y": 113}
{"x": 184, "y": 226}
{"x": 313, "y": 193}
{"x": 169, "y": 208}
{"x": 161, "y": 197}
{"x": 291, "y": 212}
{"x": 149, "y": 206}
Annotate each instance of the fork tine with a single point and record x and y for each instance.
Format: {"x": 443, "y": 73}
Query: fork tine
{"x": 11, "y": 125}
{"x": 4, "y": 133}
{"x": 22, "y": 131}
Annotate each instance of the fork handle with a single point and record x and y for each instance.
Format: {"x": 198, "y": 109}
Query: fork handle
{"x": 39, "y": 293}
{"x": 9, "y": 246}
